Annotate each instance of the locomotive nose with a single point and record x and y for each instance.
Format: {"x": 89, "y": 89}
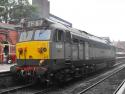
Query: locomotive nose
{"x": 33, "y": 50}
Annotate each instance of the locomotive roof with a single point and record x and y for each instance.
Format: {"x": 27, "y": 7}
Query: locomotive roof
{"x": 76, "y": 32}
{"x": 79, "y": 33}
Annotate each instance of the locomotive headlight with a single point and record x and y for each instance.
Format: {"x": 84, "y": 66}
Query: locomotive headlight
{"x": 41, "y": 62}
{"x": 44, "y": 49}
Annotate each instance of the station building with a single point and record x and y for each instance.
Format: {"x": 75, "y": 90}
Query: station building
{"x": 8, "y": 39}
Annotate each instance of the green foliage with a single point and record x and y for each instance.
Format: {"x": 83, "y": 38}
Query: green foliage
{"x": 15, "y": 10}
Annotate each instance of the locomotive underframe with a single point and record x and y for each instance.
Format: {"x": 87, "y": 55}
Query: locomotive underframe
{"x": 60, "y": 70}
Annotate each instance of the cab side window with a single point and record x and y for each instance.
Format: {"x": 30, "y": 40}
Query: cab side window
{"x": 59, "y": 36}
{"x": 75, "y": 40}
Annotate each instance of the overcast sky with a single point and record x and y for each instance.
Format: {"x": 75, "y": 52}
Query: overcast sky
{"x": 103, "y": 18}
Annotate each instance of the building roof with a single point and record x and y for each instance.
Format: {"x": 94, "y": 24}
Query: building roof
{"x": 120, "y": 44}
{"x": 7, "y": 26}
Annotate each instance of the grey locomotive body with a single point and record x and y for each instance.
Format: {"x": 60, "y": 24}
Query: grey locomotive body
{"x": 72, "y": 47}
{"x": 68, "y": 53}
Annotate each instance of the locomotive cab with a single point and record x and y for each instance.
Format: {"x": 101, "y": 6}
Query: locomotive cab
{"x": 33, "y": 47}
{"x": 40, "y": 45}
{"x": 39, "y": 49}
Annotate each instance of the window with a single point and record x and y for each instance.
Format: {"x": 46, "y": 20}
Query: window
{"x": 75, "y": 40}
{"x": 81, "y": 41}
{"x": 68, "y": 36}
{"x": 59, "y": 35}
{"x": 26, "y": 36}
{"x": 35, "y": 35}
{"x": 42, "y": 34}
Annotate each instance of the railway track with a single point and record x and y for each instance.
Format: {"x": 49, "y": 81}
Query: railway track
{"x": 44, "y": 91}
{"x": 30, "y": 88}
{"x": 5, "y": 74}
{"x": 6, "y": 79}
{"x": 89, "y": 82}
{"x": 9, "y": 85}
{"x": 100, "y": 81}
{"x": 58, "y": 89}
{"x": 15, "y": 89}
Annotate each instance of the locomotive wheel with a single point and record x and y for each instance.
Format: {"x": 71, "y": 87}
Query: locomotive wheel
{"x": 49, "y": 79}
{"x": 77, "y": 73}
{"x": 59, "y": 76}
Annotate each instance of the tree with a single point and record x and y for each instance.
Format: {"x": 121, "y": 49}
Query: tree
{"x": 15, "y": 10}
{"x": 6, "y": 5}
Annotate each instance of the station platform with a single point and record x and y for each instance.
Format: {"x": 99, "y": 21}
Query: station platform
{"x": 5, "y": 67}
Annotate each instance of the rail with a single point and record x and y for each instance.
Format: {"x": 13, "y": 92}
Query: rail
{"x": 44, "y": 91}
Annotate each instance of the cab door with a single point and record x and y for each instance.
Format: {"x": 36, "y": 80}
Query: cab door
{"x": 58, "y": 44}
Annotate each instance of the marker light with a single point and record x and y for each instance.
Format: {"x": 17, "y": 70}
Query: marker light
{"x": 41, "y": 62}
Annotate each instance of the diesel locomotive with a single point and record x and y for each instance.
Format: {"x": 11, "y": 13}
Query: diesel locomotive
{"x": 52, "y": 51}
